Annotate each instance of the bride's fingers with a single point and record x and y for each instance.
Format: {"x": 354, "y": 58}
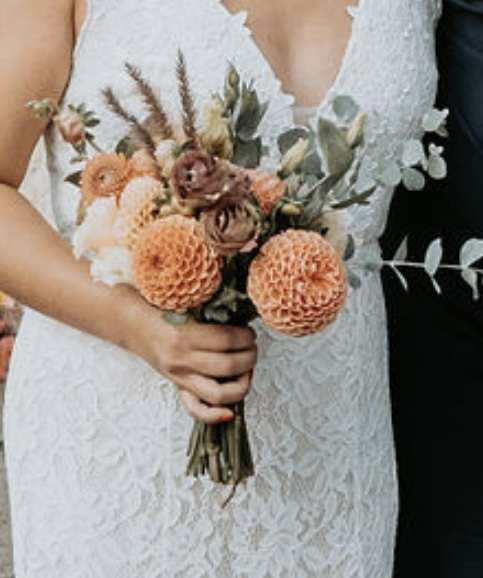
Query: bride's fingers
{"x": 221, "y": 338}
{"x": 222, "y": 365}
{"x": 203, "y": 412}
{"x": 214, "y": 393}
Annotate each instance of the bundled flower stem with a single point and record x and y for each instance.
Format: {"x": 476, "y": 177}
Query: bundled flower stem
{"x": 221, "y": 450}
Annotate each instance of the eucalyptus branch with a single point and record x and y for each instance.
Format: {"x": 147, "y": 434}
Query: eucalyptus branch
{"x": 417, "y": 265}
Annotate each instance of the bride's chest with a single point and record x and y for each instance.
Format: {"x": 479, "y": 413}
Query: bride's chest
{"x": 386, "y": 63}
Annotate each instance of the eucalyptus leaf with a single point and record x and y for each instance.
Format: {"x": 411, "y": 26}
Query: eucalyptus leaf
{"x": 413, "y": 179}
{"x": 74, "y": 178}
{"x": 353, "y": 279}
{"x": 400, "y": 277}
{"x": 364, "y": 182}
{"x": 288, "y": 138}
{"x": 250, "y": 115}
{"x": 350, "y": 248}
{"x": 470, "y": 252}
{"x": 402, "y": 251}
{"x": 432, "y": 258}
{"x": 247, "y": 153}
{"x": 337, "y": 153}
{"x": 437, "y": 166}
{"x": 413, "y": 153}
{"x": 436, "y": 285}
{"x": 175, "y": 318}
{"x": 471, "y": 277}
{"x": 433, "y": 119}
{"x": 345, "y": 107}
{"x": 389, "y": 173}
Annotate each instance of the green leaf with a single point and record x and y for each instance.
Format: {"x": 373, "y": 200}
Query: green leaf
{"x": 337, "y": 153}
{"x": 402, "y": 251}
{"x": 437, "y": 166}
{"x": 250, "y": 115}
{"x": 413, "y": 179}
{"x": 400, "y": 277}
{"x": 433, "y": 119}
{"x": 353, "y": 279}
{"x": 413, "y": 153}
{"x": 74, "y": 178}
{"x": 175, "y": 318}
{"x": 470, "y": 252}
{"x": 389, "y": 173}
{"x": 345, "y": 107}
{"x": 471, "y": 277}
{"x": 247, "y": 153}
{"x": 432, "y": 258}
{"x": 288, "y": 138}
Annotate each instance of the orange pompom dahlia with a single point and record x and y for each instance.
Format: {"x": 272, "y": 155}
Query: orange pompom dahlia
{"x": 173, "y": 267}
{"x": 297, "y": 282}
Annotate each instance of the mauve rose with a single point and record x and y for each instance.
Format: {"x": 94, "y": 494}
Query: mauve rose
{"x": 231, "y": 226}
{"x": 200, "y": 179}
{"x": 197, "y": 179}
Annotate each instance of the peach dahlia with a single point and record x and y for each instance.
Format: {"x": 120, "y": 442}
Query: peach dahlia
{"x": 297, "y": 282}
{"x": 173, "y": 267}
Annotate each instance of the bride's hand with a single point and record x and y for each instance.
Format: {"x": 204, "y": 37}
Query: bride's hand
{"x": 210, "y": 364}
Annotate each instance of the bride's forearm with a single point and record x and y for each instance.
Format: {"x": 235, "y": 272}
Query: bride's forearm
{"x": 38, "y": 269}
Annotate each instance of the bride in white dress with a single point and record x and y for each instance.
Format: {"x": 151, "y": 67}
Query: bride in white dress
{"x": 95, "y": 434}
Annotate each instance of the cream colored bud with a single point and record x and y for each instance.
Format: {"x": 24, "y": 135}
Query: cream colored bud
{"x": 291, "y": 210}
{"x": 294, "y": 156}
{"x": 215, "y": 130}
{"x": 71, "y": 126}
{"x": 356, "y": 130}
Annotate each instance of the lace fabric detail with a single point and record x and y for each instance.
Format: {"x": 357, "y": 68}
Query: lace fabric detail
{"x": 96, "y": 441}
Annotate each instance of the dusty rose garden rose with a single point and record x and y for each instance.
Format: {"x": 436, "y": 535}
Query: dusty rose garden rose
{"x": 231, "y": 226}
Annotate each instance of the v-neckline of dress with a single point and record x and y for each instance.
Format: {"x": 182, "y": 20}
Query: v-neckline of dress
{"x": 354, "y": 12}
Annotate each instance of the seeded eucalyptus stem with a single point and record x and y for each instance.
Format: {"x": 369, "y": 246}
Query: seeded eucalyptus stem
{"x": 222, "y": 451}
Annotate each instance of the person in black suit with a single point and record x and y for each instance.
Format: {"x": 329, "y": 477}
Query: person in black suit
{"x": 436, "y": 340}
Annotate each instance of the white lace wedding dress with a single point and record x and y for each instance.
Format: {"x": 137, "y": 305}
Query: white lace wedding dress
{"x": 96, "y": 441}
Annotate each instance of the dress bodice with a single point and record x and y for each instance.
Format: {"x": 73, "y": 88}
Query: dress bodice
{"x": 105, "y": 434}
{"x": 389, "y": 40}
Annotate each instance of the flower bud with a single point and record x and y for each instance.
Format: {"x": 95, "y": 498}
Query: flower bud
{"x": 355, "y": 131}
{"x": 232, "y": 91}
{"x": 215, "y": 130}
{"x": 294, "y": 157}
{"x": 71, "y": 126}
{"x": 45, "y": 108}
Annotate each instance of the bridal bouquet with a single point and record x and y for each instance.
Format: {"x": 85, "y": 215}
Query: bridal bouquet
{"x": 204, "y": 221}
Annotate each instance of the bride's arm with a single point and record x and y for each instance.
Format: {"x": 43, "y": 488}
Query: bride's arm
{"x": 37, "y": 267}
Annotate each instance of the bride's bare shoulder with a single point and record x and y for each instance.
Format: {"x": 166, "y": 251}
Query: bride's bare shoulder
{"x": 36, "y": 43}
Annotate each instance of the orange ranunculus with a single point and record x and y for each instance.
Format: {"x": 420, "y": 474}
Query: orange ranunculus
{"x": 173, "y": 267}
{"x": 104, "y": 175}
{"x": 267, "y": 188}
{"x": 297, "y": 282}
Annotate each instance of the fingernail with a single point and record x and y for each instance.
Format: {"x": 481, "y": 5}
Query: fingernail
{"x": 226, "y": 418}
